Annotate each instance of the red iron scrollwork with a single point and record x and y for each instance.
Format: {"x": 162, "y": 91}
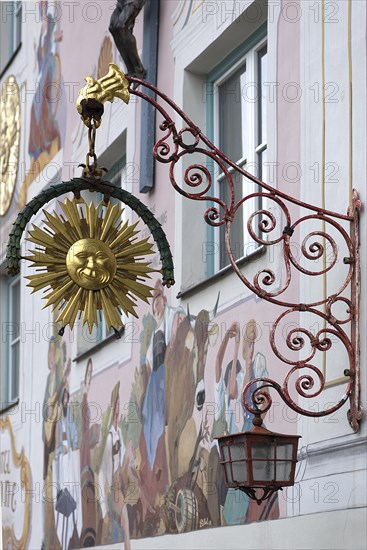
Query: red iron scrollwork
{"x": 281, "y": 220}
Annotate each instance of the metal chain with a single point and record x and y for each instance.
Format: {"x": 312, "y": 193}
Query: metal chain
{"x": 90, "y": 169}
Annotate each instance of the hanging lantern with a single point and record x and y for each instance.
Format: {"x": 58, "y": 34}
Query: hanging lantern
{"x": 258, "y": 460}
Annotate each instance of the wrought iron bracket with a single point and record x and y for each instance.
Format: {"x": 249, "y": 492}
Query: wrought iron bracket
{"x": 170, "y": 149}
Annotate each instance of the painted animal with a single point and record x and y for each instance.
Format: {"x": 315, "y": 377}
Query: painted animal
{"x": 185, "y": 362}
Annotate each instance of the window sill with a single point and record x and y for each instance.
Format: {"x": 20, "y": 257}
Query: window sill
{"x": 9, "y": 406}
{"x": 222, "y": 273}
{"x": 98, "y": 346}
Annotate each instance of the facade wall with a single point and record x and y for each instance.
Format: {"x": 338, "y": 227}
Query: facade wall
{"x": 315, "y": 97}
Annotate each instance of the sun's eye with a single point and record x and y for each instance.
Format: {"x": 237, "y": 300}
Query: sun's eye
{"x": 101, "y": 256}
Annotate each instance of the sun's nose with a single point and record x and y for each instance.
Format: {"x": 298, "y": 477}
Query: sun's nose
{"x": 90, "y": 262}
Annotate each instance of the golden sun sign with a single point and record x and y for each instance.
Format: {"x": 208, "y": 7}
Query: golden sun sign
{"x": 90, "y": 260}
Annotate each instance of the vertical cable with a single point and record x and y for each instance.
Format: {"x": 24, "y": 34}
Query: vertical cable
{"x": 350, "y": 100}
{"x": 323, "y": 160}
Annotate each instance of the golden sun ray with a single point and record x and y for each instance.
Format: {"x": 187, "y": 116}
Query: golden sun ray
{"x": 88, "y": 262}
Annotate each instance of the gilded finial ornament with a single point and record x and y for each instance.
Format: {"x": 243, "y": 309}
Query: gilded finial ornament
{"x": 97, "y": 92}
{"x": 89, "y": 260}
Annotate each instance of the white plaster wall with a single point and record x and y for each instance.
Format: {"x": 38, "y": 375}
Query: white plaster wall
{"x": 341, "y": 530}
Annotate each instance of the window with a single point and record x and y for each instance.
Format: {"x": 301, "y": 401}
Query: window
{"x": 10, "y": 339}
{"x": 87, "y": 340}
{"x": 238, "y": 112}
{"x": 10, "y": 32}
{"x": 116, "y": 174}
{"x": 14, "y": 339}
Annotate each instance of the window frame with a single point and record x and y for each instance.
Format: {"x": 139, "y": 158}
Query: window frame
{"x": 247, "y": 53}
{"x": 16, "y": 33}
{"x": 12, "y": 341}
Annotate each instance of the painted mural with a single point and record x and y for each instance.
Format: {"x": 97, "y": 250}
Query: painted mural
{"x": 149, "y": 463}
{"x": 15, "y": 489}
{"x": 59, "y": 441}
{"x": 48, "y": 111}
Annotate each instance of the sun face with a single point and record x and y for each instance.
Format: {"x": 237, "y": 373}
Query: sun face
{"x": 90, "y": 261}
{"x": 91, "y": 264}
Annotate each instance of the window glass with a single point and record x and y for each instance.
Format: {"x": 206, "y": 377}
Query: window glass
{"x": 240, "y": 122}
{"x": 13, "y": 340}
{"x": 10, "y": 31}
{"x": 14, "y": 389}
{"x": 15, "y": 307}
{"x": 262, "y": 71}
{"x": 232, "y": 115}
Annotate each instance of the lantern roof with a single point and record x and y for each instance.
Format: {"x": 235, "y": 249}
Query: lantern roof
{"x": 255, "y": 431}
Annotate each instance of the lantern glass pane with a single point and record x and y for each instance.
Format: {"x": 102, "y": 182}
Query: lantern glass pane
{"x": 284, "y": 451}
{"x": 262, "y": 470}
{"x": 263, "y": 460}
{"x": 225, "y": 452}
{"x": 227, "y": 468}
{"x": 283, "y": 470}
{"x": 238, "y": 452}
{"x": 262, "y": 449}
{"x": 239, "y": 469}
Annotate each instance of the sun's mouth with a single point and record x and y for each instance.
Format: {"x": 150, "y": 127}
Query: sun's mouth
{"x": 91, "y": 275}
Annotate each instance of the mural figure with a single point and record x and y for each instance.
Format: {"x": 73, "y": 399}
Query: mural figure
{"x": 228, "y": 385}
{"x": 232, "y": 506}
{"x": 47, "y": 130}
{"x": 185, "y": 365}
{"x": 114, "y": 480}
{"x": 167, "y": 319}
{"x": 51, "y": 410}
{"x": 66, "y": 475}
{"x": 141, "y": 478}
{"x": 185, "y": 368}
{"x": 89, "y": 438}
{"x": 121, "y": 27}
{"x": 159, "y": 333}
